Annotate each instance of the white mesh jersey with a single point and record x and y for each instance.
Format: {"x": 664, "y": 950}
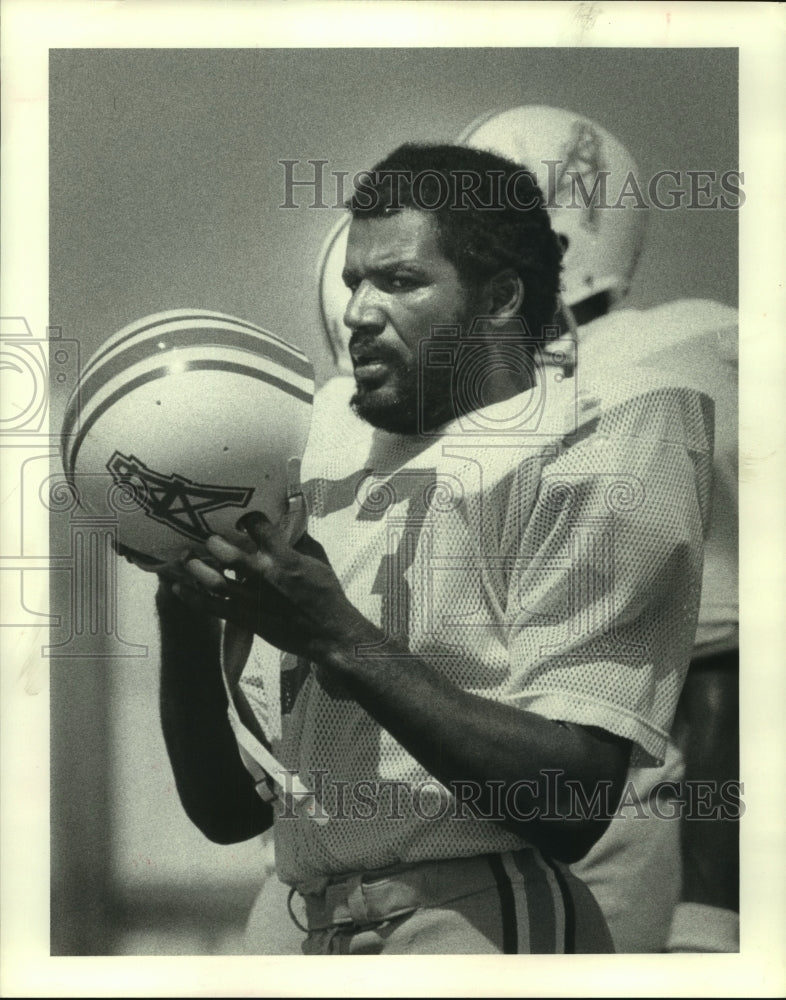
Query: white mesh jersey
{"x": 546, "y": 556}
{"x": 695, "y": 340}
{"x": 631, "y": 870}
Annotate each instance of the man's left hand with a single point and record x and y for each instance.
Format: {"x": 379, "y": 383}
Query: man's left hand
{"x": 288, "y": 595}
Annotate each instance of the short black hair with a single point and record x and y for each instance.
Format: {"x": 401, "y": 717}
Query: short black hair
{"x": 490, "y": 215}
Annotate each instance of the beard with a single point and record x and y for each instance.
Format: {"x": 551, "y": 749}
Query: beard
{"x": 410, "y": 400}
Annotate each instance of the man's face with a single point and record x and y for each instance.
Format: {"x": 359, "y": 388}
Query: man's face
{"x": 402, "y": 285}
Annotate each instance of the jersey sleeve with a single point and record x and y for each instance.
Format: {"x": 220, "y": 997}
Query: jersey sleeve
{"x": 606, "y": 569}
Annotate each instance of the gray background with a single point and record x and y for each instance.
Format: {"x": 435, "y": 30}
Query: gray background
{"x": 165, "y": 190}
{"x": 166, "y": 186}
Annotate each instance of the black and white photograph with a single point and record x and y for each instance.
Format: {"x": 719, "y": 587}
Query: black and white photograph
{"x": 387, "y": 457}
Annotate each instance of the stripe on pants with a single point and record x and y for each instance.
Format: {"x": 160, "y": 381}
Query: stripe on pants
{"x": 507, "y": 906}
{"x": 567, "y": 907}
{"x": 520, "y": 899}
{"x": 544, "y": 904}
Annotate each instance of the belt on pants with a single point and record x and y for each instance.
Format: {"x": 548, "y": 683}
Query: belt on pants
{"x": 370, "y": 897}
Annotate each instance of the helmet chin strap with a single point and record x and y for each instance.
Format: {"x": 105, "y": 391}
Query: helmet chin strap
{"x": 591, "y": 308}
{"x": 271, "y": 779}
{"x": 561, "y": 353}
{"x": 295, "y": 520}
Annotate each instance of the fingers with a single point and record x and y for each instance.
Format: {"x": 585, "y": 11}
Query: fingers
{"x": 309, "y": 546}
{"x": 229, "y": 555}
{"x": 210, "y": 582}
{"x": 201, "y": 602}
{"x": 210, "y": 605}
{"x": 207, "y": 577}
{"x": 271, "y": 540}
{"x": 219, "y": 605}
{"x": 266, "y": 540}
{"x": 268, "y": 565}
{"x": 146, "y": 563}
{"x": 164, "y": 591}
{"x": 266, "y": 536}
{"x": 175, "y": 571}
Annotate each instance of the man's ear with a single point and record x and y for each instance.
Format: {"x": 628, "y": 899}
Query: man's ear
{"x": 506, "y": 293}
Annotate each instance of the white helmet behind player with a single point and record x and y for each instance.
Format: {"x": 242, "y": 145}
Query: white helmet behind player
{"x": 572, "y": 156}
{"x": 334, "y": 295}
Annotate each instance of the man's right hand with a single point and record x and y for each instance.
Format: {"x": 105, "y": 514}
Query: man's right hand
{"x": 168, "y": 572}
{"x": 174, "y": 611}
{"x": 144, "y": 562}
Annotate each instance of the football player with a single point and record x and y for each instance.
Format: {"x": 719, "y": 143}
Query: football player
{"x": 489, "y": 619}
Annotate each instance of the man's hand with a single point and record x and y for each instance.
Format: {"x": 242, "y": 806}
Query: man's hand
{"x": 173, "y": 571}
{"x": 289, "y": 596}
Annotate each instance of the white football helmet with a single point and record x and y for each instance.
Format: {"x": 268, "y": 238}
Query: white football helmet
{"x": 182, "y": 422}
{"x": 603, "y": 244}
{"x": 334, "y": 295}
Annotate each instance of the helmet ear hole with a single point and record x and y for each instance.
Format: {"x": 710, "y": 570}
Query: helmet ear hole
{"x": 564, "y": 242}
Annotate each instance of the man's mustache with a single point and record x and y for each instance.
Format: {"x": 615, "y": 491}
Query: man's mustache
{"x": 366, "y": 348}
